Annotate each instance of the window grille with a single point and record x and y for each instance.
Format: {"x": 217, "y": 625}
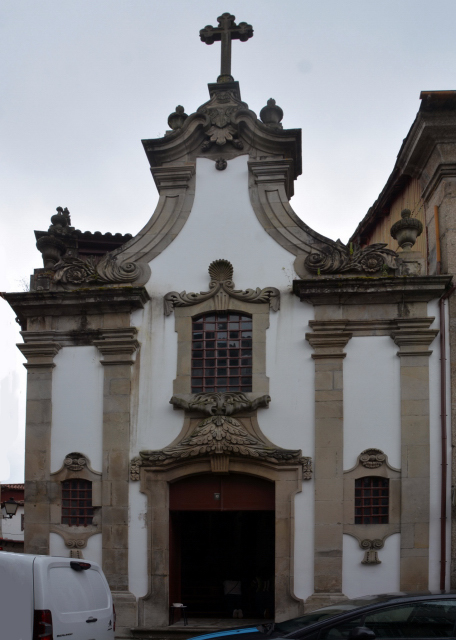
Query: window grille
{"x": 222, "y": 353}
{"x": 371, "y": 500}
{"x": 77, "y": 502}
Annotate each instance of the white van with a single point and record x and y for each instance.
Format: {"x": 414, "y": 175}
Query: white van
{"x": 45, "y": 598}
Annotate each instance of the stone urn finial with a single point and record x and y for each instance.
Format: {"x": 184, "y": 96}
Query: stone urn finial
{"x": 177, "y": 118}
{"x": 406, "y": 230}
{"x": 271, "y": 114}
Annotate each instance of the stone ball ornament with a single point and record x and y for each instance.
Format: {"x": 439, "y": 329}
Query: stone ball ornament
{"x": 271, "y": 114}
{"x": 406, "y": 230}
{"x": 177, "y": 118}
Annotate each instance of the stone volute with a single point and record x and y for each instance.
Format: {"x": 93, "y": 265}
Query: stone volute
{"x": 406, "y": 230}
{"x": 271, "y": 114}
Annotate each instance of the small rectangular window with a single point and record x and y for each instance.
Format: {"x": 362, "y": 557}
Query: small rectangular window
{"x": 371, "y": 500}
{"x": 77, "y": 507}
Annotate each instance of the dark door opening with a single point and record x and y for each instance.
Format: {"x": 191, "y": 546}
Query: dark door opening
{"x": 222, "y": 529}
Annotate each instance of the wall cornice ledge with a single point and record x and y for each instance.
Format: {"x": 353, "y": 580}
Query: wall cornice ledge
{"x": 100, "y": 300}
{"x": 362, "y": 290}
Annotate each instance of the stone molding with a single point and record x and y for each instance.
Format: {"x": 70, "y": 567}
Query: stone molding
{"x": 414, "y": 342}
{"x": 94, "y": 301}
{"x": 376, "y": 290}
{"x": 372, "y": 459}
{"x": 222, "y": 286}
{"x": 371, "y": 326}
{"x": 39, "y": 354}
{"x": 117, "y": 346}
{"x": 154, "y": 606}
{"x": 328, "y": 344}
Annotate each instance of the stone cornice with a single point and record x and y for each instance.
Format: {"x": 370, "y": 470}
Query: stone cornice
{"x": 67, "y": 303}
{"x": 414, "y": 342}
{"x": 117, "y": 346}
{"x": 359, "y": 290}
{"x": 367, "y": 327}
{"x": 328, "y": 344}
{"x": 40, "y": 354}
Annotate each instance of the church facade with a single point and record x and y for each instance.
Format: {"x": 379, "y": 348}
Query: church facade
{"x": 230, "y": 396}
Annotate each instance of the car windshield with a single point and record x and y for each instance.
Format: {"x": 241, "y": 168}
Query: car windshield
{"x": 289, "y": 626}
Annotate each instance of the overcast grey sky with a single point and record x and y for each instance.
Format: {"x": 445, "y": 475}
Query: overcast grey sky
{"x": 83, "y": 81}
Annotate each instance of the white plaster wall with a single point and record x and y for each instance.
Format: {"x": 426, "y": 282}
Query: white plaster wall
{"x": 372, "y": 401}
{"x": 436, "y": 453}
{"x": 368, "y": 579}
{"x": 222, "y": 224}
{"x": 77, "y": 406}
{"x": 91, "y": 553}
{"x": 11, "y": 527}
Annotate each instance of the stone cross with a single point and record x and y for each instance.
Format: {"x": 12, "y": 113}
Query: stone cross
{"x": 226, "y": 31}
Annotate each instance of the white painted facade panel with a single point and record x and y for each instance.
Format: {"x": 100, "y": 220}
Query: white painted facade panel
{"x": 77, "y": 406}
{"x": 368, "y": 579}
{"x": 372, "y": 399}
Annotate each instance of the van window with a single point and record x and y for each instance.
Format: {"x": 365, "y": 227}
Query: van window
{"x": 77, "y": 590}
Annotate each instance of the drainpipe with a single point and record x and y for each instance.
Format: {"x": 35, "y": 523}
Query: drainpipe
{"x": 443, "y": 405}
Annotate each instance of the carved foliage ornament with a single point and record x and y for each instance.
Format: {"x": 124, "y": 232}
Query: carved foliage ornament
{"x": 220, "y": 114}
{"x": 75, "y": 462}
{"x": 372, "y": 458}
{"x": 94, "y": 270}
{"x": 221, "y": 273}
{"x": 220, "y": 435}
{"x": 341, "y": 258}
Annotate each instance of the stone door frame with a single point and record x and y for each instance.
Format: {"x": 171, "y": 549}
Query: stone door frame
{"x": 154, "y": 606}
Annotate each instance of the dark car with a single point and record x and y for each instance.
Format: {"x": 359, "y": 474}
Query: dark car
{"x": 393, "y": 616}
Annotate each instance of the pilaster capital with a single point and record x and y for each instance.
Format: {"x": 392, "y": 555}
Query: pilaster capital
{"x": 39, "y": 354}
{"x": 117, "y": 346}
{"x": 328, "y": 344}
{"x": 414, "y": 342}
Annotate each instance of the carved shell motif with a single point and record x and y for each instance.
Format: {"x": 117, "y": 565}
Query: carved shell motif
{"x": 221, "y": 271}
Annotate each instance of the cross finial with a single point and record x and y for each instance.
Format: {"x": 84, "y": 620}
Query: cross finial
{"x": 226, "y": 31}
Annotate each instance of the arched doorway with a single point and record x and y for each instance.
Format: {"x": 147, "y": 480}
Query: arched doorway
{"x": 222, "y": 542}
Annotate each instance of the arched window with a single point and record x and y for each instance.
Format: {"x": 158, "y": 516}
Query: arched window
{"x": 222, "y": 352}
{"x": 77, "y": 502}
{"x": 371, "y": 500}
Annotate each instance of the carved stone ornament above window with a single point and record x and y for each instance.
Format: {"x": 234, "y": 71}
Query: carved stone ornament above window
{"x": 220, "y": 286}
{"x": 220, "y": 435}
{"x": 75, "y": 462}
{"x": 341, "y": 258}
{"x": 372, "y": 458}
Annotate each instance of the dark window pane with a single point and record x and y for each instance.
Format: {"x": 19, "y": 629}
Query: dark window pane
{"x": 222, "y": 353}
{"x": 234, "y": 335}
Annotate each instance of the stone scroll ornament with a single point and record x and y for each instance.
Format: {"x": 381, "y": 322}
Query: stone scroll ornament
{"x": 221, "y": 273}
{"x": 372, "y": 458}
{"x": 220, "y": 435}
{"x": 341, "y": 258}
{"x": 94, "y": 270}
{"x": 370, "y": 548}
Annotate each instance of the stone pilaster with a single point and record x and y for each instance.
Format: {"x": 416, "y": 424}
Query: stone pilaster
{"x": 329, "y": 354}
{"x": 415, "y": 462}
{"x": 39, "y": 365}
{"x": 117, "y": 347}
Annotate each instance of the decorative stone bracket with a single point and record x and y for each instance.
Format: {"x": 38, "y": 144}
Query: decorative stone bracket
{"x": 370, "y": 550}
{"x": 220, "y": 436}
{"x": 221, "y": 287}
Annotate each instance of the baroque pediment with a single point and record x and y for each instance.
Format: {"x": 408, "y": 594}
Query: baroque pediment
{"x": 219, "y": 436}
{"x": 221, "y": 286}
